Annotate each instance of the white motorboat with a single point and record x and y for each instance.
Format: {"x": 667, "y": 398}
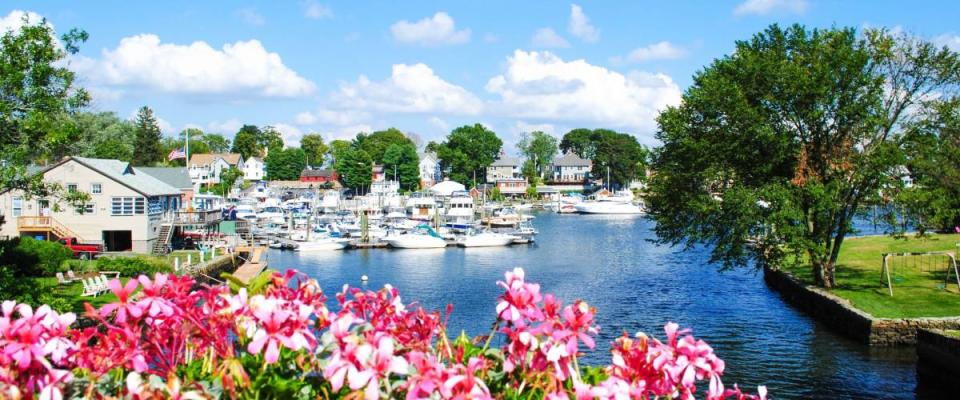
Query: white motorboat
{"x": 459, "y": 212}
{"x": 271, "y": 214}
{"x": 323, "y": 244}
{"x": 421, "y": 206}
{"x": 245, "y": 212}
{"x": 486, "y": 239}
{"x": 422, "y": 238}
{"x": 621, "y": 203}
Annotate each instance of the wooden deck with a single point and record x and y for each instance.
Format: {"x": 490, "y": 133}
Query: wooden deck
{"x": 254, "y": 264}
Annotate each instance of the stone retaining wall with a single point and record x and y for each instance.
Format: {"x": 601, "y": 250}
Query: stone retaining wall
{"x": 842, "y": 316}
{"x": 938, "y": 358}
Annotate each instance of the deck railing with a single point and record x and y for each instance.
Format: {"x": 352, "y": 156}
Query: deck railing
{"x": 197, "y": 217}
{"x": 45, "y": 223}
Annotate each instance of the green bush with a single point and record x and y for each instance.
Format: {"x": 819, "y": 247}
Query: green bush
{"x": 133, "y": 266}
{"x": 32, "y": 257}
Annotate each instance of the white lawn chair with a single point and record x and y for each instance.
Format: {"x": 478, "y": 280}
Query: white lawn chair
{"x": 102, "y": 284}
{"x": 60, "y": 279}
{"x": 89, "y": 288}
{"x": 71, "y": 277}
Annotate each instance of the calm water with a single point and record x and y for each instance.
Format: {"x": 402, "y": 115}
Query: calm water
{"x": 636, "y": 286}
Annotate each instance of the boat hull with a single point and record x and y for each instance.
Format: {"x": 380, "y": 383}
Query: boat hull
{"x": 428, "y": 242}
{"x": 325, "y": 245}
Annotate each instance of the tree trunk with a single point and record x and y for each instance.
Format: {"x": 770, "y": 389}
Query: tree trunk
{"x": 823, "y": 271}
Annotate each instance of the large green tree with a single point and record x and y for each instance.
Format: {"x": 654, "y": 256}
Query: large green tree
{"x": 148, "y": 137}
{"x": 618, "y": 155}
{"x": 216, "y": 142}
{"x": 270, "y": 138}
{"x": 403, "y": 160}
{"x": 285, "y": 164}
{"x": 376, "y": 143}
{"x": 927, "y": 195}
{"x": 580, "y": 142}
{"x": 101, "y": 135}
{"x": 777, "y": 146}
{"x": 467, "y": 151}
{"x": 315, "y": 149}
{"x": 355, "y": 168}
{"x": 539, "y": 148}
{"x": 338, "y": 148}
{"x": 246, "y": 142}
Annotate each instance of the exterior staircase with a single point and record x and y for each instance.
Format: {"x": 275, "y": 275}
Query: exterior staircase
{"x": 163, "y": 239}
{"x": 45, "y": 224}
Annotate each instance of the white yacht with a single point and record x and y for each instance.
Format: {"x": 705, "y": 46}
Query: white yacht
{"x": 421, "y": 238}
{"x": 246, "y": 212}
{"x": 620, "y": 203}
{"x": 330, "y": 202}
{"x": 459, "y": 212}
{"x": 421, "y": 206}
{"x": 271, "y": 214}
{"x": 486, "y": 239}
{"x": 322, "y": 244}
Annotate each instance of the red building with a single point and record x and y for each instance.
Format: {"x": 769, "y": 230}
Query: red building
{"x": 318, "y": 175}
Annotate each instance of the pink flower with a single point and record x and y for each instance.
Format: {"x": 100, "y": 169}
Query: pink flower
{"x": 123, "y": 307}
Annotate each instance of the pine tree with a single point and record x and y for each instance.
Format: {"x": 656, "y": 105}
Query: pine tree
{"x": 147, "y": 149}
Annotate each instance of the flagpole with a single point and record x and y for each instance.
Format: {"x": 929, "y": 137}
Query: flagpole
{"x": 187, "y": 149}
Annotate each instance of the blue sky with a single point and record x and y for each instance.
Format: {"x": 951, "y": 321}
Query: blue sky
{"x": 425, "y": 67}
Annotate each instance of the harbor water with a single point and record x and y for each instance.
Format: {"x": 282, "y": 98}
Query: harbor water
{"x": 635, "y": 286}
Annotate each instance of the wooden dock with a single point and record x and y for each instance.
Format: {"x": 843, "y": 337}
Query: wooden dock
{"x": 254, "y": 264}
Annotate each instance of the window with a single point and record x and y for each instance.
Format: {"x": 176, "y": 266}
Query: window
{"x": 17, "y": 206}
{"x": 71, "y": 187}
{"x": 85, "y": 209}
{"x": 127, "y": 205}
{"x": 96, "y": 188}
{"x": 156, "y": 205}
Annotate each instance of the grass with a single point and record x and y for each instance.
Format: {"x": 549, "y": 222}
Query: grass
{"x": 72, "y": 293}
{"x": 918, "y": 286}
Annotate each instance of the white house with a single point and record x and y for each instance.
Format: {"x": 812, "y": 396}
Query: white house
{"x": 253, "y": 169}
{"x": 429, "y": 169}
{"x": 126, "y": 209}
{"x": 205, "y": 169}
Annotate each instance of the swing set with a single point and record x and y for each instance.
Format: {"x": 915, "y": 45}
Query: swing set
{"x": 933, "y": 261}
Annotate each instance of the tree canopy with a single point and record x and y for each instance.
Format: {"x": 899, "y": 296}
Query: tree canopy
{"x": 148, "y": 137}
{"x": 355, "y": 168}
{"x": 314, "y": 148}
{"x": 285, "y": 164}
{"x": 540, "y": 149}
{"x": 247, "y": 142}
{"x": 467, "y": 151}
{"x": 403, "y": 159}
{"x": 625, "y": 157}
{"x": 376, "y": 143}
{"x": 777, "y": 146}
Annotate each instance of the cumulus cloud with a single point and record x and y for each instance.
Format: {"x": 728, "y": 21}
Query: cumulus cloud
{"x": 314, "y": 10}
{"x": 227, "y": 127}
{"x": 949, "y": 41}
{"x": 658, "y": 51}
{"x": 764, "y": 7}
{"x": 332, "y": 117}
{"x": 524, "y": 127}
{"x": 437, "y": 30}
{"x": 541, "y": 86}
{"x": 240, "y": 68}
{"x": 291, "y": 135}
{"x": 409, "y": 89}
{"x": 251, "y": 16}
{"x": 546, "y": 38}
{"x": 580, "y": 26}
{"x": 15, "y": 19}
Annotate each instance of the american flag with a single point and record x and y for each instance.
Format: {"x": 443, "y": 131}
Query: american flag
{"x": 176, "y": 154}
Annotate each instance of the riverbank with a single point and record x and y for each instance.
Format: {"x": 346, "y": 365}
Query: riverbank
{"x": 918, "y": 282}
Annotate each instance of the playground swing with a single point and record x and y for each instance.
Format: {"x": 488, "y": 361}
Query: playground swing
{"x": 933, "y": 261}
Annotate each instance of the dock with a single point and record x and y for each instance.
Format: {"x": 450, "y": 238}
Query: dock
{"x": 253, "y": 265}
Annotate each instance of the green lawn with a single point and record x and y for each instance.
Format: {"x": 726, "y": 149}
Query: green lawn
{"x": 918, "y": 286}
{"x": 72, "y": 291}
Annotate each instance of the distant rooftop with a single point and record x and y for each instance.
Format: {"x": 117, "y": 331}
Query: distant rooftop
{"x": 571, "y": 159}
{"x": 174, "y": 176}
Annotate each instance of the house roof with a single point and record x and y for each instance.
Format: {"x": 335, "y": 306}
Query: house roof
{"x": 318, "y": 172}
{"x": 428, "y": 154}
{"x": 570, "y": 159}
{"x": 175, "y": 176}
{"x": 129, "y": 176}
{"x": 257, "y": 159}
{"x": 207, "y": 158}
{"x": 506, "y": 161}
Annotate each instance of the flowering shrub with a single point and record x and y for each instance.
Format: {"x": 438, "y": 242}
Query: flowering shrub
{"x": 163, "y": 338}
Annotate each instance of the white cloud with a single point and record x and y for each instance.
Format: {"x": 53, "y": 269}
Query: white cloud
{"x": 764, "y": 7}
{"x": 240, "y": 68}
{"x": 251, "y": 16}
{"x": 580, "y": 25}
{"x": 227, "y": 127}
{"x": 541, "y": 86}
{"x": 525, "y": 127}
{"x": 951, "y": 41}
{"x": 439, "y": 29}
{"x": 490, "y": 38}
{"x": 14, "y": 20}
{"x": 440, "y": 124}
{"x": 305, "y": 118}
{"x": 658, "y": 51}
{"x": 546, "y": 38}
{"x": 291, "y": 135}
{"x": 410, "y": 89}
{"x": 332, "y": 117}
{"x": 313, "y": 9}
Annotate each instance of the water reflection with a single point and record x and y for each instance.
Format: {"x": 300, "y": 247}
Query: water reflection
{"x": 636, "y": 286}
